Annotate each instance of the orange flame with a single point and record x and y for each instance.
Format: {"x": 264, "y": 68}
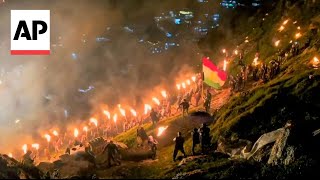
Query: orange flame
{"x": 147, "y": 107}
{"x": 223, "y": 50}
{"x": 178, "y": 86}
{"x": 161, "y": 130}
{"x": 48, "y": 137}
{"x": 236, "y": 52}
{"x": 36, "y": 146}
{"x": 285, "y": 22}
{"x": 193, "y": 78}
{"x": 25, "y": 148}
{"x": 224, "y": 64}
{"x": 164, "y": 93}
{"x": 134, "y": 113}
{"x": 281, "y": 28}
{"x": 10, "y": 155}
{"x": 277, "y": 43}
{"x": 255, "y": 61}
{"x": 107, "y": 113}
{"x": 183, "y": 85}
{"x": 154, "y": 99}
{"x": 94, "y": 121}
{"x": 315, "y": 62}
{"x": 115, "y": 117}
{"x": 188, "y": 82}
{"x": 122, "y": 112}
{"x": 55, "y": 133}
{"x": 85, "y": 129}
{"x": 76, "y": 132}
{"x": 298, "y": 35}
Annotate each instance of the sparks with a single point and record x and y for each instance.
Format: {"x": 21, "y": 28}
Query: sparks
{"x": 122, "y": 112}
{"x": 298, "y": 35}
{"x": 178, "y": 86}
{"x": 25, "y": 148}
{"x": 161, "y": 130}
{"x": 75, "y": 132}
{"x": 285, "y": 22}
{"x": 134, "y": 113}
{"x": 277, "y": 43}
{"x": 156, "y": 100}
{"x": 55, "y": 133}
{"x": 94, "y": 121}
{"x": 224, "y": 64}
{"x": 115, "y": 117}
{"x": 36, "y": 146}
{"x": 164, "y": 94}
{"x": 85, "y": 129}
{"x": 193, "y": 78}
{"x": 183, "y": 85}
{"x": 107, "y": 113}
{"x": 147, "y": 108}
{"x": 48, "y": 137}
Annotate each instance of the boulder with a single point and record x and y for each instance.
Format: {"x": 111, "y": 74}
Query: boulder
{"x": 278, "y": 148}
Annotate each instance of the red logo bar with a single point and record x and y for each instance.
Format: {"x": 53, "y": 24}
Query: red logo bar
{"x": 30, "y": 52}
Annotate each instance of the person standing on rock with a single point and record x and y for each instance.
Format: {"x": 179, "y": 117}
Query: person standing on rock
{"x": 207, "y": 101}
{"x": 185, "y": 107}
{"x": 111, "y": 150}
{"x": 179, "y": 140}
{"x": 195, "y": 139}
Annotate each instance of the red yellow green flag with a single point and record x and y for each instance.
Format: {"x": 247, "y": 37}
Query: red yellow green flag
{"x": 213, "y": 76}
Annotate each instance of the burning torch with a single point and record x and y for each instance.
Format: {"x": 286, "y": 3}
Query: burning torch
{"x": 48, "y": 137}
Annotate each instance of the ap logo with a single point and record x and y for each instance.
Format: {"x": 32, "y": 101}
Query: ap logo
{"x": 30, "y": 32}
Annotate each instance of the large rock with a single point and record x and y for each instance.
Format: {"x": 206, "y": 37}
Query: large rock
{"x": 232, "y": 148}
{"x": 279, "y": 147}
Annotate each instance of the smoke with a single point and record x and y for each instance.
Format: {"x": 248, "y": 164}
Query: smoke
{"x": 43, "y": 91}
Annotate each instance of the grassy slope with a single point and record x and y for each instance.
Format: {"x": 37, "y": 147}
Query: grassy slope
{"x": 256, "y": 112}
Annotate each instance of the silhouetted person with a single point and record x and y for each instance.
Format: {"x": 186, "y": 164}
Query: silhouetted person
{"x": 207, "y": 101}
{"x": 179, "y": 146}
{"x": 111, "y": 150}
{"x": 154, "y": 116}
{"x": 205, "y": 137}
{"x": 195, "y": 139}
{"x": 185, "y": 107}
{"x": 141, "y": 133}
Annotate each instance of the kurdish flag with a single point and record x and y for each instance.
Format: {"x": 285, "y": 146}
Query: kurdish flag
{"x": 213, "y": 76}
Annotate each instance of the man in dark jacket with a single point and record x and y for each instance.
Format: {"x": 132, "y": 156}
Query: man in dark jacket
{"x": 195, "y": 139}
{"x": 111, "y": 150}
{"x": 179, "y": 146}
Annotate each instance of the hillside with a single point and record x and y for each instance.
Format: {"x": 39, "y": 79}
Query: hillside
{"x": 258, "y": 109}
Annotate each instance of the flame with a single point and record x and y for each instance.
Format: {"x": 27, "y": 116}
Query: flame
{"x": 115, "y": 116}
{"x": 223, "y": 50}
{"x": 295, "y": 22}
{"x": 85, "y": 129}
{"x": 76, "y": 132}
{"x": 298, "y": 35}
{"x": 147, "y": 107}
{"x": 94, "y": 121}
{"x": 161, "y": 130}
{"x": 36, "y": 146}
{"x": 246, "y": 41}
{"x": 236, "y": 52}
{"x": 107, "y": 113}
{"x": 25, "y": 148}
{"x": 134, "y": 113}
{"x": 55, "y": 133}
{"x": 255, "y": 61}
{"x": 188, "y": 82}
{"x": 10, "y": 155}
{"x": 315, "y": 62}
{"x": 277, "y": 43}
{"x": 48, "y": 137}
{"x": 164, "y": 94}
{"x": 122, "y": 112}
{"x": 193, "y": 78}
{"x": 17, "y": 121}
{"x": 224, "y": 64}
{"x": 178, "y": 86}
{"x": 156, "y": 100}
{"x": 285, "y": 22}
{"x": 119, "y": 105}
{"x": 183, "y": 85}
{"x": 281, "y": 28}
{"x": 298, "y": 28}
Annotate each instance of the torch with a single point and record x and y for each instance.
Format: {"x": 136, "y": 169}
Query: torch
{"x": 193, "y": 78}
{"x": 161, "y": 130}
{"x": 36, "y": 147}
{"x": 184, "y": 85}
{"x": 85, "y": 129}
{"x": 224, "y": 64}
{"x": 25, "y": 148}
{"x": 164, "y": 94}
{"x": 147, "y": 107}
{"x": 95, "y": 122}
{"x": 75, "y": 133}
{"x": 115, "y": 117}
{"x": 48, "y": 137}
{"x": 178, "y": 86}
{"x": 107, "y": 113}
{"x": 10, "y": 155}
{"x": 156, "y": 100}
{"x": 55, "y": 133}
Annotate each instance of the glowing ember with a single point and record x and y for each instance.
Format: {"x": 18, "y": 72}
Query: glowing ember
{"x": 164, "y": 94}
{"x": 225, "y": 65}
{"x": 122, "y": 112}
{"x": 55, "y": 133}
{"x": 298, "y": 35}
{"x": 188, "y": 82}
{"x": 94, "y": 121}
{"x": 183, "y": 85}
{"x": 178, "y": 86}
{"x": 115, "y": 117}
{"x": 25, "y": 148}
{"x": 255, "y": 61}
{"x": 236, "y": 52}
{"x": 36, "y": 146}
{"x": 285, "y": 22}
{"x": 10, "y": 155}
{"x": 277, "y": 43}
{"x": 156, "y": 100}
{"x": 193, "y": 78}
{"x": 75, "y": 132}
{"x": 147, "y": 108}
{"x": 85, "y": 129}
{"x": 107, "y": 113}
{"x": 161, "y": 130}
{"x": 134, "y": 113}
{"x": 281, "y": 28}
{"x": 48, "y": 137}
